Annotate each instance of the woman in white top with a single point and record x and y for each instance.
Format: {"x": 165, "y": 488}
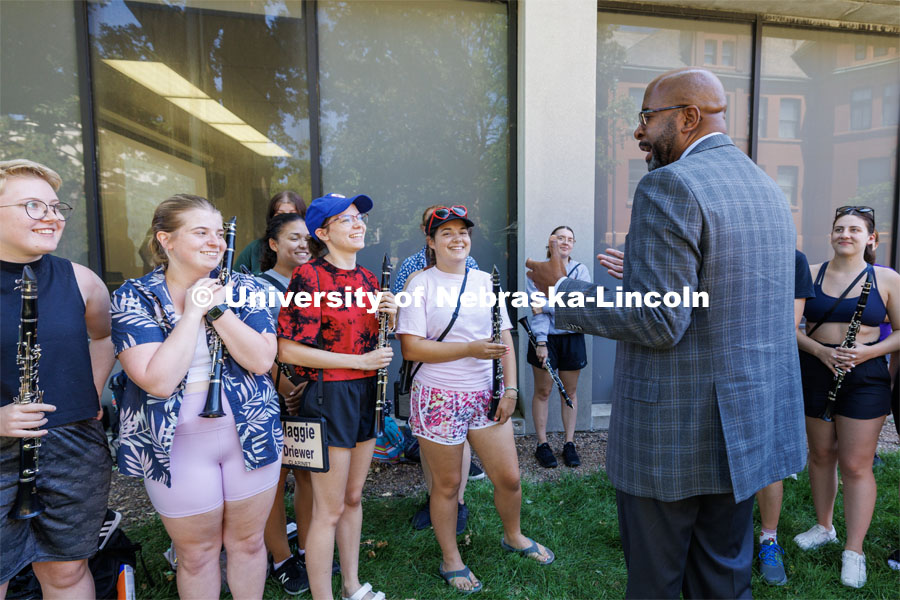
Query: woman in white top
{"x": 451, "y": 391}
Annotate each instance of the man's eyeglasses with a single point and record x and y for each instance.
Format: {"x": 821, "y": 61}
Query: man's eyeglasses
{"x": 38, "y": 209}
{"x": 642, "y": 115}
{"x": 846, "y": 210}
{"x": 443, "y": 213}
{"x": 350, "y": 220}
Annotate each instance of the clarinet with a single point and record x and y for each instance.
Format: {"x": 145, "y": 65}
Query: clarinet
{"x": 382, "y": 385}
{"x": 213, "y": 407}
{"x": 28, "y": 504}
{"x": 554, "y": 374}
{"x": 849, "y": 340}
{"x": 497, "y": 366}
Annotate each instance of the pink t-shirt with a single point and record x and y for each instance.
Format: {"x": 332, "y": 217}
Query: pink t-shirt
{"x": 429, "y": 313}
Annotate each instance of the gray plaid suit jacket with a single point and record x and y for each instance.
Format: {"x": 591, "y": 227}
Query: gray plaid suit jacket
{"x": 708, "y": 400}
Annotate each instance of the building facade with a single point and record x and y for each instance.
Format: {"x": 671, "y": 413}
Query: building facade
{"x": 522, "y": 111}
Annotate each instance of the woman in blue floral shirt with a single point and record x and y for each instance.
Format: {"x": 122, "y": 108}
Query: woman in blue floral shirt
{"x": 211, "y": 480}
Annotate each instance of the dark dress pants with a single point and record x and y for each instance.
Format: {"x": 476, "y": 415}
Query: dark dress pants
{"x": 700, "y": 546}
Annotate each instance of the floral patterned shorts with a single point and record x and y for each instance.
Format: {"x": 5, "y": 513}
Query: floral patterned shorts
{"x": 446, "y": 416}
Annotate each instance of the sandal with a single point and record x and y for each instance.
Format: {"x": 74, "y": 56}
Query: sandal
{"x": 362, "y": 591}
{"x": 533, "y": 552}
{"x": 464, "y": 573}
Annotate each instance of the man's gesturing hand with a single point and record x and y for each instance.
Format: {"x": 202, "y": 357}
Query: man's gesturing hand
{"x": 546, "y": 273}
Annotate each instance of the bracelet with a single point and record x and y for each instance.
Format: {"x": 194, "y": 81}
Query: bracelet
{"x": 542, "y": 344}
{"x": 514, "y": 389}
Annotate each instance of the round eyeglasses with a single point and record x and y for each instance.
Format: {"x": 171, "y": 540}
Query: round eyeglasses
{"x": 38, "y": 209}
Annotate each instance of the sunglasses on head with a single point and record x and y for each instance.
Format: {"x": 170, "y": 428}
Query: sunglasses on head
{"x": 846, "y": 210}
{"x": 444, "y": 213}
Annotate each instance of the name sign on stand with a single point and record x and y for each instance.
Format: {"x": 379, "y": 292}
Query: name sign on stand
{"x": 305, "y": 443}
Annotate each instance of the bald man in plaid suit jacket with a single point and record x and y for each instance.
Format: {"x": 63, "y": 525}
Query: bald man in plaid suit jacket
{"x": 707, "y": 402}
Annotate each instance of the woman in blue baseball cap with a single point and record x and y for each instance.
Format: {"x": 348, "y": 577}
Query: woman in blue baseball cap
{"x": 335, "y": 349}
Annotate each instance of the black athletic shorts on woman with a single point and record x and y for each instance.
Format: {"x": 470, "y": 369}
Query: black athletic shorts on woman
{"x": 348, "y": 408}
{"x": 73, "y": 483}
{"x": 865, "y": 392}
{"x": 565, "y": 351}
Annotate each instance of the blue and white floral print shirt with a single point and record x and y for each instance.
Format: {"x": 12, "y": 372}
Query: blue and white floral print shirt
{"x": 142, "y": 312}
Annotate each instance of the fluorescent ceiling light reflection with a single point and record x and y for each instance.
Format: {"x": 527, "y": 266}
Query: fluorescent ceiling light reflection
{"x": 158, "y": 77}
{"x": 267, "y": 149}
{"x": 161, "y": 79}
{"x": 242, "y": 133}
{"x": 207, "y": 110}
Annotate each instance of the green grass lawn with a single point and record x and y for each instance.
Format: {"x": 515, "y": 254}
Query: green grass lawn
{"x": 576, "y": 518}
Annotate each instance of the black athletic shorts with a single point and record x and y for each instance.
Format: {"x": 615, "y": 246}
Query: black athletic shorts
{"x": 865, "y": 392}
{"x": 348, "y": 408}
{"x": 73, "y": 483}
{"x": 565, "y": 352}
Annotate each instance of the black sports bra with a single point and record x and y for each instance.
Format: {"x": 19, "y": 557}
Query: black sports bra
{"x": 816, "y": 307}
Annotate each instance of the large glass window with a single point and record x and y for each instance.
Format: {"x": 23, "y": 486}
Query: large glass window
{"x": 631, "y": 51}
{"x": 40, "y": 114}
{"x": 415, "y": 112}
{"x": 789, "y": 118}
{"x": 861, "y": 109}
{"x": 198, "y": 97}
{"x": 836, "y": 164}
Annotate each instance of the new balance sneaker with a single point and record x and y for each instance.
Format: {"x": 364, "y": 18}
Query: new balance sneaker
{"x": 570, "y": 455}
{"x": 894, "y": 560}
{"x": 292, "y": 576}
{"x": 771, "y": 563}
{"x": 853, "y": 569}
{"x": 462, "y": 518}
{"x": 544, "y": 456}
{"x": 422, "y": 518}
{"x": 475, "y": 472}
{"x": 816, "y": 537}
{"x": 110, "y": 523}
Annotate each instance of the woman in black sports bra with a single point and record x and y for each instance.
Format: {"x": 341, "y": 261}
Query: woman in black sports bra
{"x": 864, "y": 397}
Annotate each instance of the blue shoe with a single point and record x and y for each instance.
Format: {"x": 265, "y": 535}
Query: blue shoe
{"x": 462, "y": 518}
{"x": 771, "y": 563}
{"x": 422, "y": 518}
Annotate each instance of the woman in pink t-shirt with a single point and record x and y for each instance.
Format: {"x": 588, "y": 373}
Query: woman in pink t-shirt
{"x": 451, "y": 391}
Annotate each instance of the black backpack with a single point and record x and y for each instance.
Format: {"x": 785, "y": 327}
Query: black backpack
{"x": 119, "y": 550}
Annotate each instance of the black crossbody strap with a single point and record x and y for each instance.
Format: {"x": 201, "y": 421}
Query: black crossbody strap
{"x": 320, "y": 395}
{"x": 452, "y": 319}
{"x": 827, "y": 314}
{"x": 278, "y": 285}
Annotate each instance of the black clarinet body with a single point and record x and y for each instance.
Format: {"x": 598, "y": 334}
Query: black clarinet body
{"x": 497, "y": 366}
{"x": 213, "y": 407}
{"x": 28, "y": 504}
{"x": 554, "y": 374}
{"x": 382, "y": 380}
{"x": 849, "y": 341}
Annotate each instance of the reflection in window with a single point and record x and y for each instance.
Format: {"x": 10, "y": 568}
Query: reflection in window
{"x": 631, "y": 51}
{"x": 637, "y": 168}
{"x": 787, "y": 181}
{"x": 710, "y": 48}
{"x": 861, "y": 109}
{"x": 728, "y": 54}
{"x": 837, "y": 94}
{"x": 415, "y": 112}
{"x": 40, "y": 118}
{"x": 879, "y": 50}
{"x": 763, "y": 117}
{"x": 890, "y": 106}
{"x": 187, "y": 99}
{"x": 860, "y": 52}
{"x": 874, "y": 171}
{"x": 789, "y": 118}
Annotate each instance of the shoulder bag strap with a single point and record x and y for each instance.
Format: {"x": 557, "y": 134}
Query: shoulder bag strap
{"x": 278, "y": 285}
{"x": 320, "y": 344}
{"x": 838, "y": 301}
{"x": 452, "y": 319}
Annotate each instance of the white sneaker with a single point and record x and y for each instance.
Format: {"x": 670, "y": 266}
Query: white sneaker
{"x": 853, "y": 569}
{"x": 815, "y": 537}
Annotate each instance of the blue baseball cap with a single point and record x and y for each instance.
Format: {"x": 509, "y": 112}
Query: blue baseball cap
{"x": 330, "y": 205}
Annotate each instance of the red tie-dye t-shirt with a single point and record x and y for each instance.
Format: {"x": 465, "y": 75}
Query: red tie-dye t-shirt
{"x": 346, "y": 329}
